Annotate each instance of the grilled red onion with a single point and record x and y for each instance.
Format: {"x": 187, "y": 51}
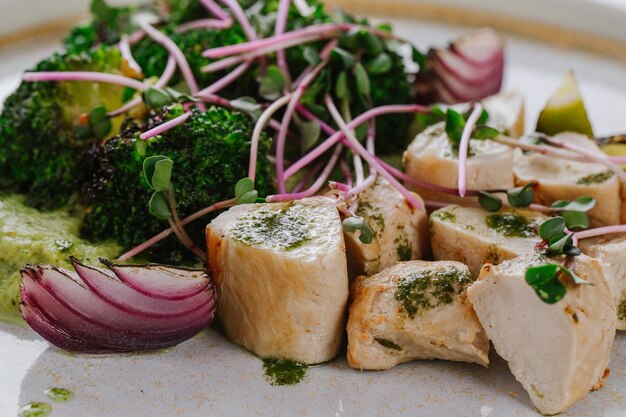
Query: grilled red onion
{"x": 470, "y": 69}
{"x": 92, "y": 310}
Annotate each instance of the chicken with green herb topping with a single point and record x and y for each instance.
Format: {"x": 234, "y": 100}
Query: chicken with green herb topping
{"x": 414, "y": 310}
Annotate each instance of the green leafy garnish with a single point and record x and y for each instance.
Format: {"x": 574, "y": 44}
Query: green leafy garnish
{"x": 158, "y": 172}
{"x": 245, "y": 192}
{"x": 489, "y": 202}
{"x": 521, "y": 196}
{"x": 455, "y": 123}
{"x": 362, "y": 80}
{"x": 352, "y": 224}
{"x": 575, "y": 212}
{"x": 155, "y": 97}
{"x": 158, "y": 206}
{"x": 309, "y": 134}
{"x": 272, "y": 84}
{"x": 380, "y": 64}
{"x": 544, "y": 280}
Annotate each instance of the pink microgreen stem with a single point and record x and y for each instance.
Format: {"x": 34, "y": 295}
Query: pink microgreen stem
{"x": 309, "y": 115}
{"x": 371, "y": 159}
{"x": 279, "y": 29}
{"x": 357, "y": 121}
{"x": 164, "y": 127}
{"x": 339, "y": 186}
{"x": 307, "y": 178}
{"x": 464, "y": 145}
{"x": 215, "y": 10}
{"x": 162, "y": 39}
{"x": 574, "y": 237}
{"x": 618, "y": 159}
{"x": 347, "y": 174}
{"x": 124, "y": 47}
{"x": 258, "y": 129}
{"x": 321, "y": 180}
{"x": 241, "y": 18}
{"x": 601, "y": 231}
{"x": 168, "y": 73}
{"x": 322, "y": 31}
{"x": 371, "y": 179}
{"x": 98, "y": 77}
{"x": 157, "y": 238}
{"x": 284, "y": 127}
{"x": 225, "y": 80}
{"x": 205, "y": 24}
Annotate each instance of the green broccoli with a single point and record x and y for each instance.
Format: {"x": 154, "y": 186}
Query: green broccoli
{"x": 210, "y": 153}
{"x": 39, "y": 148}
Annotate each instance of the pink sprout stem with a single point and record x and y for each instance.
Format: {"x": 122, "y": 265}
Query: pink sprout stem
{"x": 600, "y": 231}
{"x": 309, "y": 115}
{"x": 258, "y": 129}
{"x": 164, "y": 127}
{"x": 178, "y": 55}
{"x": 215, "y": 10}
{"x": 347, "y": 174}
{"x": 279, "y": 29}
{"x": 316, "y": 185}
{"x": 339, "y": 186}
{"x": 357, "y": 121}
{"x": 464, "y": 145}
{"x": 371, "y": 159}
{"x": 282, "y": 133}
{"x": 362, "y": 186}
{"x": 124, "y": 47}
{"x": 225, "y": 81}
{"x": 98, "y": 77}
{"x": 168, "y": 73}
{"x": 205, "y": 24}
{"x": 157, "y": 238}
{"x": 307, "y": 178}
{"x": 618, "y": 159}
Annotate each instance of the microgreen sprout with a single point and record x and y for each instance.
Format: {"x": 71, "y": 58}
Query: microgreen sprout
{"x": 96, "y": 124}
{"x": 356, "y": 223}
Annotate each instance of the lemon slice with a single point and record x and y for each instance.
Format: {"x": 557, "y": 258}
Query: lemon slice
{"x": 565, "y": 110}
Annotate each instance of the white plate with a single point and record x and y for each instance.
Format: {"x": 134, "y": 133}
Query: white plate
{"x": 208, "y": 376}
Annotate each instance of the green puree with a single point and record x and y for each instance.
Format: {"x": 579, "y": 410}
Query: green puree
{"x": 284, "y": 371}
{"x": 621, "y": 311}
{"x": 34, "y": 409}
{"x": 511, "y": 225}
{"x": 430, "y": 288}
{"x": 30, "y": 236}
{"x": 598, "y": 178}
{"x": 59, "y": 395}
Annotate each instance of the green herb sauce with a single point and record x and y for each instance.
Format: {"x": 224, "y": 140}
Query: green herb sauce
{"x": 387, "y": 343}
{"x": 404, "y": 249}
{"x": 34, "y": 409}
{"x": 59, "y": 395}
{"x": 430, "y": 288}
{"x": 374, "y": 218}
{"x": 445, "y": 216}
{"x": 598, "y": 178}
{"x": 510, "y": 225}
{"x": 284, "y": 371}
{"x": 621, "y": 311}
{"x": 285, "y": 229}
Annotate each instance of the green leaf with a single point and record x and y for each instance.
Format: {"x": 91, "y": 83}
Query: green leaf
{"x": 155, "y": 97}
{"x": 362, "y": 80}
{"x": 489, "y": 202}
{"x": 571, "y": 250}
{"x": 557, "y": 247}
{"x": 149, "y": 168}
{"x": 370, "y": 43}
{"x": 243, "y": 186}
{"x": 544, "y": 280}
{"x": 483, "y": 132}
{"x": 455, "y": 123}
{"x": 575, "y": 219}
{"x": 386, "y": 27}
{"x": 581, "y": 204}
{"x": 552, "y": 229}
{"x": 342, "y": 58}
{"x": 356, "y": 223}
{"x": 379, "y": 64}
{"x": 248, "y": 197}
{"x": 341, "y": 85}
{"x": 482, "y": 119}
{"x": 361, "y": 131}
{"x": 311, "y": 55}
{"x": 419, "y": 58}
{"x": 180, "y": 97}
{"x": 577, "y": 280}
{"x": 162, "y": 174}
{"x": 102, "y": 11}
{"x": 100, "y": 123}
{"x": 309, "y": 134}
{"x": 158, "y": 206}
{"x": 247, "y": 105}
{"x": 272, "y": 84}
{"x": 521, "y": 196}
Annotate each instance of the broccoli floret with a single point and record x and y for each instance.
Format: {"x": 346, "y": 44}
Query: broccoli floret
{"x": 210, "y": 153}
{"x": 38, "y": 146}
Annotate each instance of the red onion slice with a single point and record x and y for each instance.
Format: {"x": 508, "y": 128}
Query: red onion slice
{"x": 107, "y": 286}
{"x": 159, "y": 281}
{"x": 479, "y": 47}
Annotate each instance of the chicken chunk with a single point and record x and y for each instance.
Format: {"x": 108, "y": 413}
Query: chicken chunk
{"x": 400, "y": 231}
{"x": 610, "y": 249}
{"x": 561, "y": 179}
{"x": 557, "y": 351}
{"x": 282, "y": 276}
{"x": 432, "y": 158}
{"x": 414, "y": 310}
{"x": 474, "y": 236}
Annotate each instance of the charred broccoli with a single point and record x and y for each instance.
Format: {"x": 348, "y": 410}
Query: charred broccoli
{"x": 39, "y": 148}
{"x": 210, "y": 153}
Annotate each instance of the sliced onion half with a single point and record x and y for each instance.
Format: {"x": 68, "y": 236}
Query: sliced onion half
{"x": 93, "y": 310}
{"x": 470, "y": 69}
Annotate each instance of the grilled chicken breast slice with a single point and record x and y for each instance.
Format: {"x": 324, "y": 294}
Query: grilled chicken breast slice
{"x": 474, "y": 236}
{"x": 557, "y": 351}
{"x": 282, "y": 275}
{"x": 400, "y": 230}
{"x": 414, "y": 310}
{"x": 560, "y": 179}
{"x": 611, "y": 249}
